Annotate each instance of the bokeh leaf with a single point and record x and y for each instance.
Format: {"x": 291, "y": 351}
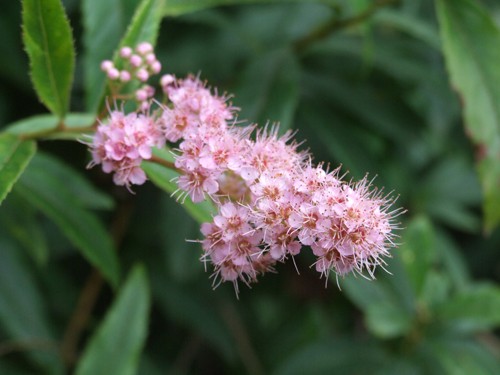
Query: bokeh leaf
{"x": 15, "y": 154}
{"x": 470, "y": 40}
{"x": 179, "y": 7}
{"x": 116, "y": 345}
{"x": 43, "y": 188}
{"x": 269, "y": 87}
{"x": 474, "y": 309}
{"x": 18, "y": 218}
{"x": 22, "y": 310}
{"x": 49, "y": 43}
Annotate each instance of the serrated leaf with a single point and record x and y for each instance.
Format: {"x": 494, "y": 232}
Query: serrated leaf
{"x": 474, "y": 309}
{"x": 164, "y": 178}
{"x": 43, "y": 188}
{"x": 49, "y": 43}
{"x": 470, "y": 40}
{"x": 104, "y": 23}
{"x": 15, "y": 154}
{"x": 116, "y": 346}
{"x": 22, "y": 311}
{"x": 44, "y": 126}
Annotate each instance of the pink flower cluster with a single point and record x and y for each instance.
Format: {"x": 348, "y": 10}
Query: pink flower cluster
{"x": 271, "y": 200}
{"x": 122, "y": 144}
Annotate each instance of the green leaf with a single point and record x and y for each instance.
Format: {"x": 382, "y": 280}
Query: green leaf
{"x": 49, "y": 44}
{"x": 470, "y": 40}
{"x": 42, "y": 187}
{"x": 104, "y": 23}
{"x": 474, "y": 309}
{"x": 164, "y": 178}
{"x": 179, "y": 7}
{"x": 22, "y": 310}
{"x": 461, "y": 356}
{"x": 20, "y": 221}
{"x": 418, "y": 251}
{"x": 333, "y": 356}
{"x": 269, "y": 89}
{"x": 145, "y": 24}
{"x": 44, "y": 126}
{"x": 116, "y": 346}
{"x": 15, "y": 154}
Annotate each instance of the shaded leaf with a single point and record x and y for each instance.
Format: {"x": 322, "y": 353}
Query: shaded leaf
{"x": 474, "y": 309}
{"x": 43, "y": 188}
{"x": 179, "y": 7}
{"x": 116, "y": 346}
{"x": 19, "y": 219}
{"x": 333, "y": 356}
{"x": 470, "y": 40}
{"x": 22, "y": 310}
{"x": 49, "y": 44}
{"x": 269, "y": 87}
{"x": 15, "y": 154}
{"x": 459, "y": 356}
{"x": 418, "y": 251}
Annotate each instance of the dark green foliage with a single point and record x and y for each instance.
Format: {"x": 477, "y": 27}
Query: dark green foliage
{"x": 368, "y": 84}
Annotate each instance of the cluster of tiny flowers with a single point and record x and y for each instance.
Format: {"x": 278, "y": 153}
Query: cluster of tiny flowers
{"x": 271, "y": 200}
{"x": 122, "y": 143}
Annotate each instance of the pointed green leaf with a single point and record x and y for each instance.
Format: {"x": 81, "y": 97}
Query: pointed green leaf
{"x": 43, "y": 187}
{"x": 116, "y": 346}
{"x": 49, "y": 44}
{"x": 15, "y": 155}
{"x": 470, "y": 40}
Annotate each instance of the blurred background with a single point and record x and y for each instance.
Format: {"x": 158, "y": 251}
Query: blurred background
{"x": 365, "y": 85}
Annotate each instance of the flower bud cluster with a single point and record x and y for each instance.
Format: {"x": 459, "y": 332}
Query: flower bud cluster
{"x": 138, "y": 64}
{"x": 271, "y": 200}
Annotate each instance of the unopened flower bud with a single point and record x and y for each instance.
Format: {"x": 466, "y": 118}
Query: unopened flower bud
{"x": 167, "y": 79}
{"x": 142, "y": 75}
{"x": 124, "y": 76}
{"x": 106, "y": 65}
{"x": 126, "y": 52}
{"x": 136, "y": 61}
{"x": 144, "y": 48}
{"x": 156, "y": 67}
{"x": 113, "y": 73}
